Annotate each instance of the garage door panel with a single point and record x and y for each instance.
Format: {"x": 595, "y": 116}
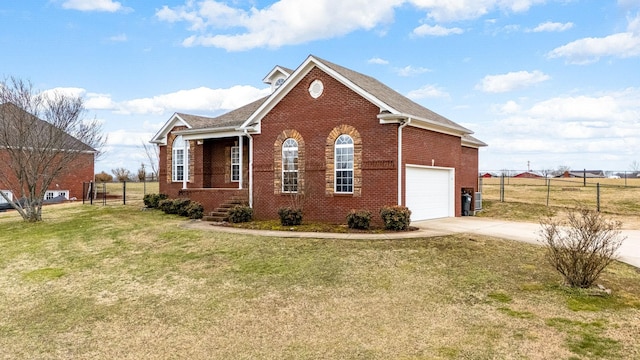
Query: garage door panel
{"x": 429, "y": 192}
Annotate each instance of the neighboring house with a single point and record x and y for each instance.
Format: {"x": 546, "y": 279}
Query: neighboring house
{"x": 528, "y": 175}
{"x": 328, "y": 138}
{"x": 583, "y": 174}
{"x": 487, "y": 175}
{"x": 69, "y": 183}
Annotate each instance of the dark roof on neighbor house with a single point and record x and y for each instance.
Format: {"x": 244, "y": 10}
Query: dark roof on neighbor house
{"x": 583, "y": 173}
{"x": 9, "y": 111}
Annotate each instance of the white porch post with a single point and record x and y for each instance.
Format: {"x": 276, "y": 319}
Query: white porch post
{"x": 240, "y": 160}
{"x": 185, "y": 165}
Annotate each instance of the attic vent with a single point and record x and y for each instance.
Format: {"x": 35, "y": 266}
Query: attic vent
{"x": 316, "y": 88}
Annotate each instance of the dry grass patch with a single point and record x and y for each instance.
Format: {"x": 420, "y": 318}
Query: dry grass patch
{"x": 117, "y": 282}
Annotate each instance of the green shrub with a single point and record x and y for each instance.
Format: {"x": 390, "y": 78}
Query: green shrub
{"x": 359, "y": 219}
{"x": 240, "y": 213}
{"x": 165, "y": 205}
{"x": 179, "y": 206}
{"x": 396, "y": 217}
{"x": 290, "y": 216}
{"x": 153, "y": 200}
{"x": 195, "y": 210}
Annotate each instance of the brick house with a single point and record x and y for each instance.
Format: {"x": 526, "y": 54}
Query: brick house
{"x": 68, "y": 183}
{"x": 328, "y": 138}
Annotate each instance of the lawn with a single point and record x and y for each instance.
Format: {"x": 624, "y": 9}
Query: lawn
{"x": 116, "y": 282}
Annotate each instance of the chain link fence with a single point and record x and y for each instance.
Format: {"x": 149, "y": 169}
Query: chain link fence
{"x": 117, "y": 193}
{"x": 613, "y": 194}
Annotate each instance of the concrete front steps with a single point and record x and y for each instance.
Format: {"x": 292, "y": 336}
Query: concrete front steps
{"x": 221, "y": 213}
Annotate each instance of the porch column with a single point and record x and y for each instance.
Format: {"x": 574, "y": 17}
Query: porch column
{"x": 240, "y": 160}
{"x": 185, "y": 164}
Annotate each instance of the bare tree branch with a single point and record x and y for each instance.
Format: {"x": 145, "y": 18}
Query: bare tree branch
{"x": 41, "y": 135}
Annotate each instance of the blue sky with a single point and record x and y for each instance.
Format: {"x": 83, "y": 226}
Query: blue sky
{"x": 543, "y": 82}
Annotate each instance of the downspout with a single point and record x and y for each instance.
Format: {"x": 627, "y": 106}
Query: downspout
{"x": 402, "y": 125}
{"x": 250, "y": 168}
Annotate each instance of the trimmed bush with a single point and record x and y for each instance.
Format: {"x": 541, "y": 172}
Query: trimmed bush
{"x": 165, "y": 205}
{"x": 290, "y": 216}
{"x": 179, "y": 206}
{"x": 153, "y": 200}
{"x": 396, "y": 217}
{"x": 240, "y": 214}
{"x": 359, "y": 219}
{"x": 194, "y": 210}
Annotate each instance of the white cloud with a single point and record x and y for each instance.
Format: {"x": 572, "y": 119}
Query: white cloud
{"x": 588, "y": 50}
{"x": 201, "y": 99}
{"x": 290, "y": 22}
{"x": 600, "y": 124}
{"x": 94, "y": 5}
{"x": 410, "y": 71}
{"x": 436, "y": 30}
{"x": 285, "y": 22}
{"x": 118, "y": 38}
{"x": 448, "y": 10}
{"x": 511, "y": 81}
{"x": 552, "y": 27}
{"x": 427, "y": 91}
{"x": 378, "y": 61}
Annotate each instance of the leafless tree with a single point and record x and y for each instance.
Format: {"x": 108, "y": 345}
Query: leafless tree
{"x": 121, "y": 174}
{"x": 561, "y": 170}
{"x": 41, "y": 136}
{"x": 103, "y": 177}
{"x": 142, "y": 173}
{"x": 153, "y": 155}
{"x": 582, "y": 246}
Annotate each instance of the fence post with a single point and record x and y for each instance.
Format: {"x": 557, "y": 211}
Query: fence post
{"x": 598, "y": 196}
{"x": 502, "y": 188}
{"x": 124, "y": 193}
{"x": 104, "y": 194}
{"x": 548, "y": 190}
{"x": 584, "y": 177}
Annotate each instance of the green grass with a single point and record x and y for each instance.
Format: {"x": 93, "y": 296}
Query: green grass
{"x": 117, "y": 282}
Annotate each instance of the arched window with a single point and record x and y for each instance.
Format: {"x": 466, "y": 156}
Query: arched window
{"x": 290, "y": 166}
{"x": 343, "y": 160}
{"x": 178, "y": 159}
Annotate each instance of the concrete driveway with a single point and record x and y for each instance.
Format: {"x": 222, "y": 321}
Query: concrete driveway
{"x": 629, "y": 252}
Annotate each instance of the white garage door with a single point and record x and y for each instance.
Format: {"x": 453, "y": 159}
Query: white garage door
{"x": 429, "y": 192}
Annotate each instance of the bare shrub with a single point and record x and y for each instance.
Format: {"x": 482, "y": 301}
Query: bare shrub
{"x": 581, "y": 246}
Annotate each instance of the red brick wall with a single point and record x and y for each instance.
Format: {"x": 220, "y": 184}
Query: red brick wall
{"x": 314, "y": 119}
{"x": 71, "y": 178}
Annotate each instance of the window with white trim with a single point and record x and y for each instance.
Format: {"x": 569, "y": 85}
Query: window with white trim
{"x": 178, "y": 159}
{"x": 9, "y": 195}
{"x": 290, "y": 166}
{"x": 235, "y": 163}
{"x": 343, "y": 160}
{"x": 52, "y": 194}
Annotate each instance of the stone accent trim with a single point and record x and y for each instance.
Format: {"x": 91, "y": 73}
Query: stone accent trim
{"x": 170, "y": 138}
{"x": 277, "y": 160}
{"x": 357, "y": 159}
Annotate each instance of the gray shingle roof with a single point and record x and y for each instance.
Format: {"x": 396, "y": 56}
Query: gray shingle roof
{"x": 40, "y": 134}
{"x": 232, "y": 118}
{"x": 389, "y": 96}
{"x": 369, "y": 84}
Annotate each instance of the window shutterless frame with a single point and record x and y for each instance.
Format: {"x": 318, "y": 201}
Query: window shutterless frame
{"x": 290, "y": 166}
{"x": 343, "y": 165}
